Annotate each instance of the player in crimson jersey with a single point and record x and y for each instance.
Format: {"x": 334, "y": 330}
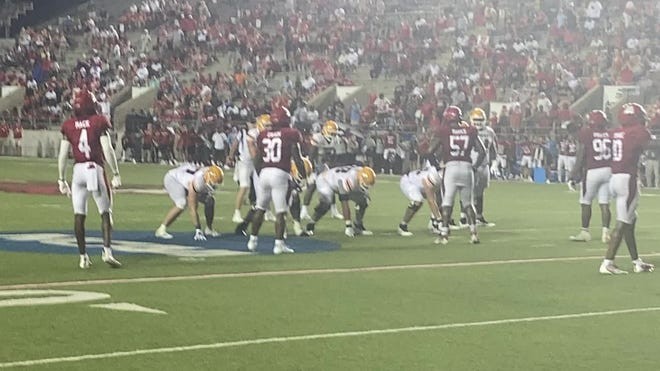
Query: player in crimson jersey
{"x": 273, "y": 151}
{"x": 592, "y": 166}
{"x": 456, "y": 141}
{"x": 628, "y": 142}
{"x": 87, "y": 135}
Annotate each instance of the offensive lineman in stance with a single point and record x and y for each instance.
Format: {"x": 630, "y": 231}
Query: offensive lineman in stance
{"x": 456, "y": 141}
{"x": 418, "y": 185}
{"x": 592, "y": 166}
{"x": 87, "y": 135}
{"x": 273, "y": 151}
{"x": 349, "y": 183}
{"x": 188, "y": 185}
{"x": 628, "y": 143}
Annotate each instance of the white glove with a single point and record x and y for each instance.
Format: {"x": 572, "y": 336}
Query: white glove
{"x": 64, "y": 187}
{"x": 199, "y": 235}
{"x": 349, "y": 232}
{"x": 116, "y": 181}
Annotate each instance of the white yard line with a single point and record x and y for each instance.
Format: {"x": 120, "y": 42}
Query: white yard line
{"x": 332, "y": 335}
{"x": 299, "y": 272}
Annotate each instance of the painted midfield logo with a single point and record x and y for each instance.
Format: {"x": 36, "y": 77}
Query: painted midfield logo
{"x": 181, "y": 246}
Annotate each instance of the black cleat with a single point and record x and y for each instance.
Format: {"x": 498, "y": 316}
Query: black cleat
{"x": 310, "y": 229}
{"x": 241, "y": 229}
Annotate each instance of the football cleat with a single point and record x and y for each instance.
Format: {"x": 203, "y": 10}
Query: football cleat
{"x": 162, "y": 233}
{"x": 85, "y": 263}
{"x": 474, "y": 239}
{"x": 403, "y": 231}
{"x": 297, "y": 228}
{"x": 643, "y": 267}
{"x": 110, "y": 260}
{"x": 252, "y": 243}
{"x": 482, "y": 222}
{"x": 310, "y": 229}
{"x": 211, "y": 232}
{"x": 583, "y": 236}
{"x": 237, "y": 218}
{"x": 610, "y": 268}
{"x": 282, "y": 249}
{"x": 442, "y": 240}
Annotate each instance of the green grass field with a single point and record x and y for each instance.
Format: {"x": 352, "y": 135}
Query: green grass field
{"x": 524, "y": 299}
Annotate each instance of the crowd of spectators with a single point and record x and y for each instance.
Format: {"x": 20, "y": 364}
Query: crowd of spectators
{"x": 533, "y": 60}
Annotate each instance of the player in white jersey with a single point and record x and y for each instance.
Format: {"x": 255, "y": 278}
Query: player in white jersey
{"x": 239, "y": 154}
{"x": 323, "y": 149}
{"x": 418, "y": 185}
{"x": 187, "y": 185}
{"x": 348, "y": 183}
{"x": 482, "y": 173}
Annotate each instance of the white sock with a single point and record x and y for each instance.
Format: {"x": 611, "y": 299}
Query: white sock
{"x": 107, "y": 250}
{"x": 606, "y": 230}
{"x": 279, "y": 242}
{"x": 473, "y": 229}
{"x": 253, "y": 238}
{"x": 83, "y": 256}
{"x": 303, "y": 209}
{"x": 637, "y": 261}
{"x": 162, "y": 227}
{"x": 608, "y": 261}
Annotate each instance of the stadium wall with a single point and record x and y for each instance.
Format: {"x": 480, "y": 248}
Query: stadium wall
{"x": 141, "y": 98}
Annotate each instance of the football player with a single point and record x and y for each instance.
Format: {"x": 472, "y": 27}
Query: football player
{"x": 418, "y": 185}
{"x": 592, "y": 167}
{"x": 482, "y": 173}
{"x": 273, "y": 151}
{"x": 323, "y": 149}
{"x": 87, "y": 135}
{"x": 628, "y": 143}
{"x": 188, "y": 185}
{"x": 349, "y": 183}
{"x": 297, "y": 184}
{"x": 456, "y": 141}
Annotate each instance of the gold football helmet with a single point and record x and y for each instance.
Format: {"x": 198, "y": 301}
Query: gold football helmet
{"x": 329, "y": 130}
{"x": 478, "y": 117}
{"x": 214, "y": 175}
{"x": 263, "y": 122}
{"x": 366, "y": 177}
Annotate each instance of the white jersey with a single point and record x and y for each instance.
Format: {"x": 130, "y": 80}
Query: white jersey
{"x": 340, "y": 180}
{"x": 243, "y": 151}
{"x": 185, "y": 174}
{"x": 488, "y": 138}
{"x": 412, "y": 183}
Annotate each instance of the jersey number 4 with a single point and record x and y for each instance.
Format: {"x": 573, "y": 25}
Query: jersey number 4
{"x": 83, "y": 144}
{"x": 272, "y": 150}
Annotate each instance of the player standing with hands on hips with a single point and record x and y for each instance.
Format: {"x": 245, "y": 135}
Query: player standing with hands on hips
{"x": 87, "y": 135}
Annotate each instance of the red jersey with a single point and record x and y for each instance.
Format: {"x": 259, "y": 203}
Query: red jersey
{"x": 597, "y": 147}
{"x": 563, "y": 147}
{"x": 4, "y": 131}
{"x": 84, "y": 134}
{"x": 18, "y": 132}
{"x": 276, "y": 145}
{"x": 628, "y": 142}
{"x": 572, "y": 148}
{"x": 390, "y": 141}
{"x": 527, "y": 148}
{"x": 457, "y": 143}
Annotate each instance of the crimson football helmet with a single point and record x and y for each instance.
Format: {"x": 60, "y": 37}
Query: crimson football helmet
{"x": 632, "y": 114}
{"x": 597, "y": 118}
{"x": 84, "y": 103}
{"x": 451, "y": 115}
{"x": 280, "y": 117}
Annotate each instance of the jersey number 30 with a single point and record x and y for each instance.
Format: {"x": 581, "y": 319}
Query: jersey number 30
{"x": 272, "y": 150}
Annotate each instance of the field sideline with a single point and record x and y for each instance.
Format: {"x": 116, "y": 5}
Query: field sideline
{"x": 525, "y": 298}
